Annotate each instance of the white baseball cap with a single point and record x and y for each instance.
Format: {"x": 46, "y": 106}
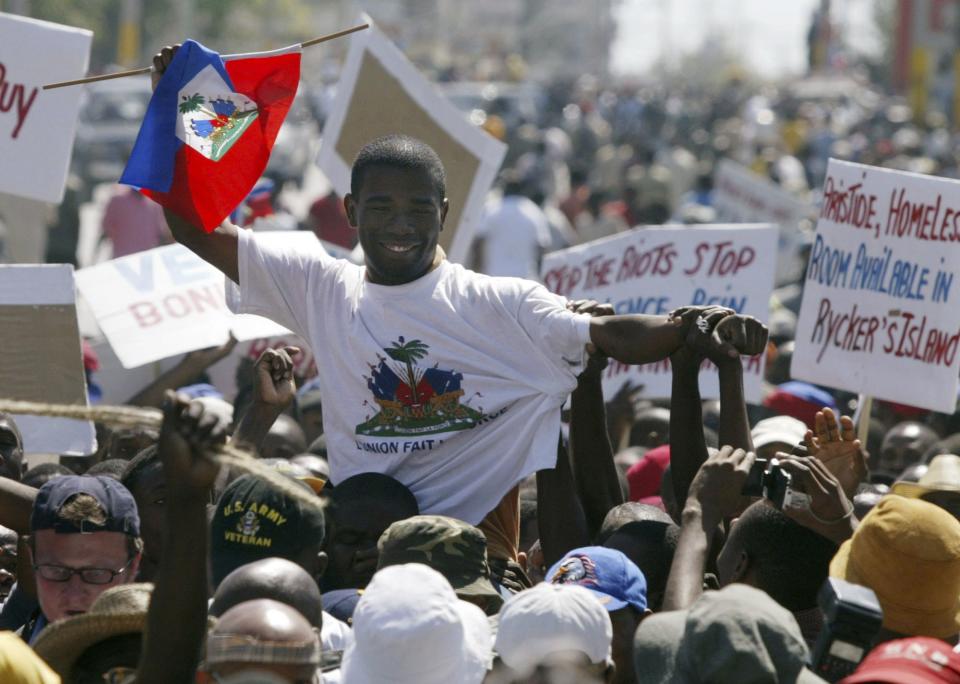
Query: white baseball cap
{"x": 409, "y": 626}
{"x": 551, "y": 618}
{"x": 779, "y": 429}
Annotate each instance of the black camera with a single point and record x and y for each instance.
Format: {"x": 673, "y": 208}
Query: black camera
{"x": 852, "y": 618}
{"x": 768, "y": 479}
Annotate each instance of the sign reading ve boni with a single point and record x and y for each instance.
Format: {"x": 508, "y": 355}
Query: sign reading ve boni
{"x": 37, "y": 126}
{"x": 656, "y": 270}
{"x": 877, "y": 315}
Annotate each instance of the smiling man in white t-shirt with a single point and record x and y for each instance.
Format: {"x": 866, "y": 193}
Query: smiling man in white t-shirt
{"x": 445, "y": 379}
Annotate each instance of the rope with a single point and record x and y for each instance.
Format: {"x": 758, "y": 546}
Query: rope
{"x": 226, "y": 455}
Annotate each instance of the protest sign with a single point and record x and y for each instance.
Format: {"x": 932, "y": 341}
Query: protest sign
{"x": 876, "y": 315}
{"x": 741, "y": 196}
{"x": 37, "y": 126}
{"x": 42, "y": 359}
{"x": 380, "y": 92}
{"x": 166, "y": 301}
{"x": 656, "y": 270}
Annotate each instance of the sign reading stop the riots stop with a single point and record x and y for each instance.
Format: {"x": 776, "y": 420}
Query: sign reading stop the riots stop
{"x": 879, "y": 314}
{"x": 656, "y": 270}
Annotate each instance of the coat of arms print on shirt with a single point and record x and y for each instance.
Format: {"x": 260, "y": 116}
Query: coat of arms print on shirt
{"x": 413, "y": 400}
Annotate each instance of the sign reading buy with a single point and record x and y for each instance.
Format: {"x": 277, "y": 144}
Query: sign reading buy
{"x": 656, "y": 270}
{"x": 878, "y": 314}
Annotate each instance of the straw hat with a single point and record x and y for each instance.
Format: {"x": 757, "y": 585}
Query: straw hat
{"x": 943, "y": 475}
{"x": 118, "y": 610}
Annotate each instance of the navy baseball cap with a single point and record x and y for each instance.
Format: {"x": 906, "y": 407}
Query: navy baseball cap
{"x": 609, "y": 574}
{"x": 112, "y": 496}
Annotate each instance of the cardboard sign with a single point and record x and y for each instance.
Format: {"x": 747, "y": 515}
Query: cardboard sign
{"x": 168, "y": 301}
{"x": 656, "y": 270}
{"x": 37, "y": 126}
{"x": 877, "y": 315}
{"x": 42, "y": 358}
{"x": 741, "y": 196}
{"x": 380, "y": 92}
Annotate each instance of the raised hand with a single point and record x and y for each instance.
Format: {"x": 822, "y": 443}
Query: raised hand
{"x": 186, "y": 437}
{"x": 205, "y": 358}
{"x": 161, "y": 61}
{"x": 834, "y": 442}
{"x": 273, "y": 382}
{"x": 736, "y": 335}
{"x": 828, "y": 511}
{"x": 718, "y": 484}
{"x": 700, "y": 342}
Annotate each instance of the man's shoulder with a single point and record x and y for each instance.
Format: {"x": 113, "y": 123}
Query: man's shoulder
{"x": 483, "y": 287}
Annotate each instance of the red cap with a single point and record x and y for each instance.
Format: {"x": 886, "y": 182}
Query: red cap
{"x": 646, "y": 474}
{"x": 918, "y": 660}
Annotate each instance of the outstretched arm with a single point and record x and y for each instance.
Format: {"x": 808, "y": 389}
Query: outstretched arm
{"x": 273, "y": 391}
{"x": 559, "y": 512}
{"x": 218, "y": 248}
{"x": 171, "y": 656}
{"x": 639, "y": 338}
{"x": 191, "y": 366}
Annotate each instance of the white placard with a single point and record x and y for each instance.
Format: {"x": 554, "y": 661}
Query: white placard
{"x": 379, "y": 93}
{"x": 741, "y": 196}
{"x": 168, "y": 301}
{"x": 656, "y": 270}
{"x": 37, "y": 126}
{"x": 877, "y": 315}
{"x": 42, "y": 359}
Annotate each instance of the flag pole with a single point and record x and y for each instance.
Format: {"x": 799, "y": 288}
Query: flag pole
{"x": 147, "y": 70}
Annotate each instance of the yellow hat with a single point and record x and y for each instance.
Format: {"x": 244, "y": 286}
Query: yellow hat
{"x": 943, "y": 475}
{"x": 20, "y": 665}
{"x": 908, "y": 552}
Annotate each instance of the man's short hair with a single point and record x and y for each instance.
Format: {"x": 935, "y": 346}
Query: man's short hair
{"x": 399, "y": 151}
{"x": 138, "y": 465}
{"x": 42, "y": 473}
{"x": 378, "y": 487}
{"x": 790, "y": 561}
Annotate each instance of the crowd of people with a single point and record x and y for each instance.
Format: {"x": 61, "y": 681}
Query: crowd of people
{"x": 478, "y": 512}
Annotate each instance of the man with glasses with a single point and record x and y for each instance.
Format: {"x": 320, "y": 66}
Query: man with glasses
{"x": 84, "y": 539}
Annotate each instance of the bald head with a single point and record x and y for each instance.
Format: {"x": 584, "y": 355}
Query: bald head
{"x": 277, "y": 640}
{"x": 284, "y": 440}
{"x": 264, "y": 620}
{"x": 631, "y": 511}
{"x": 271, "y": 578}
{"x": 904, "y": 444}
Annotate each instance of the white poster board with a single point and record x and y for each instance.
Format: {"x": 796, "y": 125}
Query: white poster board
{"x": 656, "y": 270}
{"x": 42, "y": 358}
{"x": 37, "y": 126}
{"x": 877, "y": 315}
{"x": 167, "y": 301}
{"x": 741, "y": 196}
{"x": 379, "y": 93}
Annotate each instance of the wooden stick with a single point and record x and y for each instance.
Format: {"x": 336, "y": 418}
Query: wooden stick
{"x": 864, "y": 408}
{"x": 147, "y": 70}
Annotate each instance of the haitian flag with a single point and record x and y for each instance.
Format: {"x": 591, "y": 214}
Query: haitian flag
{"x": 207, "y": 134}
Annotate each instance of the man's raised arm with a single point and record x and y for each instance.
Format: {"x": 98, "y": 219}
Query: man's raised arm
{"x": 218, "y": 248}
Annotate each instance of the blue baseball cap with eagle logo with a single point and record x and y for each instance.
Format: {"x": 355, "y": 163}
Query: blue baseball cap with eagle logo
{"x": 615, "y": 579}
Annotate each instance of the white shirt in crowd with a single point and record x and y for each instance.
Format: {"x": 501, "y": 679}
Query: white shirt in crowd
{"x": 451, "y": 384}
{"x": 515, "y": 233}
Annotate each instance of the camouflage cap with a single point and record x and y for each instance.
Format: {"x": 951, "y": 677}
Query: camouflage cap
{"x": 455, "y": 549}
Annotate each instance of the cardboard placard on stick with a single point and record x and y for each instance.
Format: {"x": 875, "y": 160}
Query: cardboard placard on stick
{"x": 37, "y": 127}
{"x": 877, "y": 315}
{"x": 380, "y": 92}
{"x": 43, "y": 358}
{"x": 656, "y": 270}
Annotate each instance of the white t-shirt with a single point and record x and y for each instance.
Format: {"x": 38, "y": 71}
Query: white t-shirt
{"x": 452, "y": 384}
{"x": 334, "y": 634}
{"x": 515, "y": 232}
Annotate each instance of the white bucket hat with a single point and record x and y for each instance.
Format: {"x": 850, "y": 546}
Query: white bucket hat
{"x": 409, "y": 626}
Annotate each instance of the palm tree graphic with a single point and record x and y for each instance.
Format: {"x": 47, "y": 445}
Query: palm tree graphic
{"x": 408, "y": 353}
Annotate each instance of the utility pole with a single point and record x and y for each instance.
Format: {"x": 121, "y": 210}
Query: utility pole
{"x": 128, "y": 42}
